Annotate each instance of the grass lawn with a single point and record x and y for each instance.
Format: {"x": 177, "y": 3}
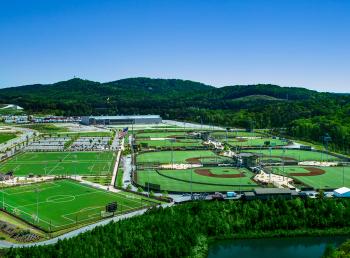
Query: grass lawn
{"x": 299, "y": 155}
{"x": 222, "y": 134}
{"x": 65, "y": 203}
{"x": 168, "y": 143}
{"x": 200, "y": 183}
{"x": 160, "y": 134}
{"x": 4, "y": 137}
{"x": 60, "y": 163}
{"x": 332, "y": 178}
{"x": 120, "y": 177}
{"x": 179, "y": 157}
{"x": 255, "y": 142}
{"x": 44, "y": 128}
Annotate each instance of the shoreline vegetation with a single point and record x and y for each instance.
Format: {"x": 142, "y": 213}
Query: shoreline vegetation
{"x": 187, "y": 230}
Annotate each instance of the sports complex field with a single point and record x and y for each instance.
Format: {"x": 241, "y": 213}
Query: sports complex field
{"x": 256, "y": 142}
{"x": 60, "y": 163}
{"x": 169, "y": 143}
{"x": 169, "y": 134}
{"x": 317, "y": 177}
{"x": 223, "y": 134}
{"x": 65, "y": 203}
{"x": 204, "y": 179}
{"x": 181, "y": 157}
{"x": 294, "y": 155}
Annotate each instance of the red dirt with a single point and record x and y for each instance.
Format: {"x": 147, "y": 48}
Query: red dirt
{"x": 241, "y": 139}
{"x": 313, "y": 172}
{"x": 206, "y": 172}
{"x": 197, "y": 160}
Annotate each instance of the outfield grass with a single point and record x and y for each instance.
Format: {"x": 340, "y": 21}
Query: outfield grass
{"x": 60, "y": 163}
{"x": 179, "y": 157}
{"x": 168, "y": 143}
{"x": 160, "y": 134}
{"x": 299, "y": 155}
{"x": 65, "y": 203}
{"x": 332, "y": 178}
{"x": 256, "y": 142}
{"x": 180, "y": 180}
{"x": 222, "y": 134}
{"x": 4, "y": 137}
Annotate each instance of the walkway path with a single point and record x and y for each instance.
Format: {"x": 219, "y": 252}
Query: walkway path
{"x": 117, "y": 160}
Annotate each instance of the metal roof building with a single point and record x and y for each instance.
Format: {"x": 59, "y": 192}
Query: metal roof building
{"x": 119, "y": 120}
{"x": 342, "y": 192}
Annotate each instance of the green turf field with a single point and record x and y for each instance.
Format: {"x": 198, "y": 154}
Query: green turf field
{"x": 168, "y": 143}
{"x": 60, "y": 163}
{"x": 222, "y": 134}
{"x": 332, "y": 178}
{"x": 256, "y": 142}
{"x": 4, "y": 137}
{"x": 179, "y": 157}
{"x": 298, "y": 155}
{"x": 161, "y": 134}
{"x": 64, "y": 203}
{"x": 180, "y": 180}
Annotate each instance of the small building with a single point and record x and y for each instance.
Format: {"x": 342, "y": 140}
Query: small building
{"x": 121, "y": 120}
{"x": 271, "y": 193}
{"x": 342, "y": 192}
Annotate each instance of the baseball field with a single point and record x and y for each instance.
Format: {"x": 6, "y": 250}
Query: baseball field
{"x": 204, "y": 179}
{"x": 317, "y": 177}
{"x": 62, "y": 204}
{"x": 181, "y": 157}
{"x": 293, "y": 155}
{"x": 223, "y": 134}
{"x": 60, "y": 163}
{"x": 255, "y": 142}
{"x": 169, "y": 134}
{"x": 168, "y": 143}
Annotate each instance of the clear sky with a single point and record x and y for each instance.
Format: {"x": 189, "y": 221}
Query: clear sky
{"x": 302, "y": 43}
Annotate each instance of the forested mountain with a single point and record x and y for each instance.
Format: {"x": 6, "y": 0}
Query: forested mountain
{"x": 304, "y": 113}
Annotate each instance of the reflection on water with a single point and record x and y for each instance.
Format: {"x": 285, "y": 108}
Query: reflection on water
{"x": 301, "y": 247}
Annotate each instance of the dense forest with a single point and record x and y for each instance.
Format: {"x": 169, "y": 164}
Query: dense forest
{"x": 185, "y": 230}
{"x": 302, "y": 113}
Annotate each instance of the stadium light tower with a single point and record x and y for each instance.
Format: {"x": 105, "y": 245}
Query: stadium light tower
{"x": 326, "y": 139}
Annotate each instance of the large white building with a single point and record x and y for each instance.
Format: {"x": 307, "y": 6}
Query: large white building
{"x": 119, "y": 120}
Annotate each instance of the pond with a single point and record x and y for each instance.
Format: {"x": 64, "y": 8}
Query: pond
{"x": 301, "y": 247}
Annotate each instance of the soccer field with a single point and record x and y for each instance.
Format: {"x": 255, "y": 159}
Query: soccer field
{"x": 203, "y": 179}
{"x": 60, "y": 163}
{"x": 292, "y": 154}
{"x": 65, "y": 203}
{"x": 168, "y": 143}
{"x": 180, "y": 157}
{"x": 317, "y": 177}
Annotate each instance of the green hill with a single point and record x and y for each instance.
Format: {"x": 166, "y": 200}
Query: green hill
{"x": 304, "y": 113}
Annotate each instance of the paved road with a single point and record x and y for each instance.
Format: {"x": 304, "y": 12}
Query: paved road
{"x": 6, "y": 244}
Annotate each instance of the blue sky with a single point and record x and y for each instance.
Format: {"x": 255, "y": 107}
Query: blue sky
{"x": 302, "y": 43}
